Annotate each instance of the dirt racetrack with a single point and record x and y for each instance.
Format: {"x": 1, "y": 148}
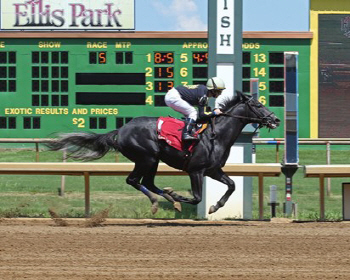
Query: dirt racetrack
{"x": 173, "y": 249}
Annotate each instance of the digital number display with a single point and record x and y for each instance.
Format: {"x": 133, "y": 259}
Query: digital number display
{"x": 164, "y": 72}
{"x": 98, "y": 57}
{"x": 163, "y": 86}
{"x": 102, "y": 58}
{"x": 200, "y": 58}
{"x": 163, "y": 57}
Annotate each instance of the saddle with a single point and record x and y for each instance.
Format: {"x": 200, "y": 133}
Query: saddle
{"x": 170, "y": 130}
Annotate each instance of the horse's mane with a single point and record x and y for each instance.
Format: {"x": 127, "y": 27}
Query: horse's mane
{"x": 231, "y": 103}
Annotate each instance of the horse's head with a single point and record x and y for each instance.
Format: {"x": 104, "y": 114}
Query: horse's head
{"x": 255, "y": 112}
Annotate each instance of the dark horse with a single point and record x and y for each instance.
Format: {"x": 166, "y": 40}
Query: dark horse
{"x": 138, "y": 141}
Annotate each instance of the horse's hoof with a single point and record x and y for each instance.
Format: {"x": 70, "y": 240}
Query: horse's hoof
{"x": 168, "y": 190}
{"x": 154, "y": 208}
{"x": 212, "y": 209}
{"x": 177, "y": 206}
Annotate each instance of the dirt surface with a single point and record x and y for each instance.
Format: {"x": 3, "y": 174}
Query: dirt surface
{"x": 173, "y": 249}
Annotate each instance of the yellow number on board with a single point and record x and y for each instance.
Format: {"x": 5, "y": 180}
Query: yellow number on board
{"x": 183, "y": 72}
{"x": 80, "y": 122}
{"x": 260, "y": 57}
{"x": 149, "y": 71}
{"x": 149, "y": 100}
{"x": 262, "y": 86}
{"x": 261, "y": 72}
{"x": 149, "y": 57}
{"x": 183, "y": 57}
{"x": 149, "y": 86}
{"x": 262, "y": 100}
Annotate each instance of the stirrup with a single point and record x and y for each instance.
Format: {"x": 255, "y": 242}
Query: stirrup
{"x": 188, "y": 137}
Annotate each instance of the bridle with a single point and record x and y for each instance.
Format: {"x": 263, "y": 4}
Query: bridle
{"x": 262, "y": 120}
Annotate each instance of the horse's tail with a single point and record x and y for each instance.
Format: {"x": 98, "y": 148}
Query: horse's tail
{"x": 85, "y": 145}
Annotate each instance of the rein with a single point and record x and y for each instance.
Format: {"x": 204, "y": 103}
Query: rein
{"x": 260, "y": 120}
{"x": 241, "y": 117}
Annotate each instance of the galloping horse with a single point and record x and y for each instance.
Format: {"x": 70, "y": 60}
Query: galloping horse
{"x": 138, "y": 141}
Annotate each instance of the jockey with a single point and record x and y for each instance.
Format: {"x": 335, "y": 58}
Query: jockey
{"x": 183, "y": 99}
{"x": 223, "y": 99}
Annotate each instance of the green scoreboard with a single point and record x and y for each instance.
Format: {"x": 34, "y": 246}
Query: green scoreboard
{"x": 50, "y": 85}
{"x": 264, "y": 59}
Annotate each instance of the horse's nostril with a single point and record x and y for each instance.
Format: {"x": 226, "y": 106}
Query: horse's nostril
{"x": 277, "y": 120}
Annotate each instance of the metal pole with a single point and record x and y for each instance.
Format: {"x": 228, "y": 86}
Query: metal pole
{"x": 291, "y": 126}
{"x": 63, "y": 178}
{"x": 289, "y": 171}
{"x": 37, "y": 152}
{"x": 322, "y": 197}
{"x": 273, "y": 200}
{"x": 253, "y": 153}
{"x": 328, "y": 162}
{"x": 261, "y": 196}
{"x": 87, "y": 194}
{"x": 254, "y": 90}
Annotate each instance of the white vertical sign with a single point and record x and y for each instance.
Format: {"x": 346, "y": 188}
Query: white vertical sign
{"x": 226, "y": 71}
{"x": 225, "y": 27}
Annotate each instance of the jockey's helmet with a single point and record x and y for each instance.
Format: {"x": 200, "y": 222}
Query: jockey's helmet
{"x": 215, "y": 83}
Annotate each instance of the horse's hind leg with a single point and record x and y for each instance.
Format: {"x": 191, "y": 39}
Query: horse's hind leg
{"x": 134, "y": 179}
{"x": 148, "y": 181}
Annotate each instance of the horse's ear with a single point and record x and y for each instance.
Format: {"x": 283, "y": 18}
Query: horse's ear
{"x": 241, "y": 95}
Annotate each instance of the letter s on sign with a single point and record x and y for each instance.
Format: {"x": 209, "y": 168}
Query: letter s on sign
{"x": 225, "y": 22}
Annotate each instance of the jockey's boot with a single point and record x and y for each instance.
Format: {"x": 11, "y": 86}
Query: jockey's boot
{"x": 187, "y": 130}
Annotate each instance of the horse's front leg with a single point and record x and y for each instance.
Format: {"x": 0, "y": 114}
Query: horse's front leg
{"x": 196, "y": 187}
{"x": 220, "y": 176}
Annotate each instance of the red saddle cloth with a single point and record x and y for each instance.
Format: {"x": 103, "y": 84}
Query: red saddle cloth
{"x": 170, "y": 130}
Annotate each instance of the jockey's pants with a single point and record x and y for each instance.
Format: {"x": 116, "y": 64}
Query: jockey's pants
{"x": 173, "y": 100}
